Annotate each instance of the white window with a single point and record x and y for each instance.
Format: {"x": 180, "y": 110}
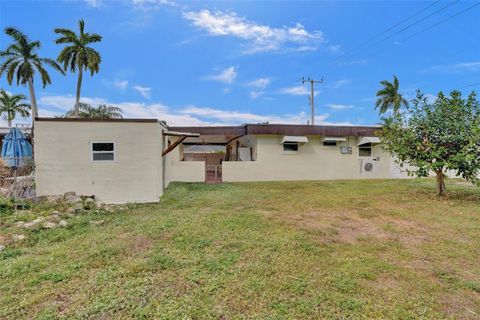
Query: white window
{"x": 103, "y": 151}
{"x": 365, "y": 150}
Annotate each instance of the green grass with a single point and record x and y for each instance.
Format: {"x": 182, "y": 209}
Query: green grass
{"x": 332, "y": 250}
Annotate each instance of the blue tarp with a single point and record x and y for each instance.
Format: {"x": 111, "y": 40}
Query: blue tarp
{"x": 16, "y": 150}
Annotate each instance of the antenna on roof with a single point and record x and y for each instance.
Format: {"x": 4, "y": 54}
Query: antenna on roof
{"x": 312, "y": 94}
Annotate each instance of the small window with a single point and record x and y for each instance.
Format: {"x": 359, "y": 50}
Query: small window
{"x": 330, "y": 143}
{"x": 103, "y": 151}
{"x": 290, "y": 147}
{"x": 365, "y": 150}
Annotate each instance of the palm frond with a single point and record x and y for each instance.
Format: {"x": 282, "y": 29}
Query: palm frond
{"x": 53, "y": 64}
{"x": 17, "y": 35}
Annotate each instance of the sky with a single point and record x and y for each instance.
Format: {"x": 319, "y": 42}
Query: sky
{"x": 228, "y": 63}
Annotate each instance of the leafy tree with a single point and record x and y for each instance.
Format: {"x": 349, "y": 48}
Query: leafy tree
{"x": 78, "y": 55}
{"x": 101, "y": 112}
{"x": 21, "y": 61}
{"x": 437, "y": 136}
{"x": 11, "y": 105}
{"x": 389, "y": 98}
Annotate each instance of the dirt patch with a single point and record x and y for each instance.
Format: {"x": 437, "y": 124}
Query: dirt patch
{"x": 458, "y": 306}
{"x": 141, "y": 243}
{"x": 349, "y": 226}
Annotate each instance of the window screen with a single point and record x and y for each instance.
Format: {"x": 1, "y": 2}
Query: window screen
{"x": 290, "y": 146}
{"x": 103, "y": 151}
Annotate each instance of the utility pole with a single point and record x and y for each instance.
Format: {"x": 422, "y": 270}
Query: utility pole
{"x": 312, "y": 94}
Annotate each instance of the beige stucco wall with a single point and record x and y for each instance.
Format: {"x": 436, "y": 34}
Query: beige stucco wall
{"x": 313, "y": 162}
{"x": 63, "y": 160}
{"x": 182, "y": 171}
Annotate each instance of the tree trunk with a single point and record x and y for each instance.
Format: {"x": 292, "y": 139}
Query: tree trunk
{"x": 34, "y": 113}
{"x": 9, "y": 122}
{"x": 33, "y": 100}
{"x": 79, "y": 87}
{"x": 440, "y": 183}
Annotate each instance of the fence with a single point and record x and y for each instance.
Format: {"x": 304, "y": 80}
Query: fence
{"x": 16, "y": 178}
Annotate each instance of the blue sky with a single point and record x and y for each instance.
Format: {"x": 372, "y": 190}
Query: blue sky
{"x": 212, "y": 63}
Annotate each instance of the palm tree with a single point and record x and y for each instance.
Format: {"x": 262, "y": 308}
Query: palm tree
{"x": 389, "y": 98}
{"x": 21, "y": 61}
{"x": 101, "y": 112}
{"x": 11, "y": 105}
{"x": 78, "y": 55}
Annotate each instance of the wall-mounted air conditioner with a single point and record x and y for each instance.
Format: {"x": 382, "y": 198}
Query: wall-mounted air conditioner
{"x": 368, "y": 166}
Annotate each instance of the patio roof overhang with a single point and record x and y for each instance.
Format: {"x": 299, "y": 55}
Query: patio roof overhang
{"x": 222, "y": 135}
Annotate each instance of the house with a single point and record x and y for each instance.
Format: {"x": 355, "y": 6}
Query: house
{"x": 134, "y": 160}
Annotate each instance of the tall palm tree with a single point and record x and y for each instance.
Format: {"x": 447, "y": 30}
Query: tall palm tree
{"x": 78, "y": 55}
{"x": 389, "y": 97}
{"x": 21, "y": 61}
{"x": 11, "y": 105}
{"x": 101, "y": 112}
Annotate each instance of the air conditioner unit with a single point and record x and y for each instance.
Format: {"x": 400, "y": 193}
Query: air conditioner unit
{"x": 368, "y": 166}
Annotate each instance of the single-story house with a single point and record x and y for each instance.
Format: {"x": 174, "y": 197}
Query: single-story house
{"x": 134, "y": 160}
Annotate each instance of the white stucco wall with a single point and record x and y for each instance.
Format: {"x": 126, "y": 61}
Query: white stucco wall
{"x": 182, "y": 171}
{"x": 313, "y": 162}
{"x": 63, "y": 160}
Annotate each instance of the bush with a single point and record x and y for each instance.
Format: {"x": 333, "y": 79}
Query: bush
{"x": 7, "y": 206}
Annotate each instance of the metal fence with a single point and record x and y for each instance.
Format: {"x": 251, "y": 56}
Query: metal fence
{"x": 17, "y": 178}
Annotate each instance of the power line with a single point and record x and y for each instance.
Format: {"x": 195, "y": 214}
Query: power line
{"x": 431, "y": 27}
{"x": 442, "y": 21}
{"x": 415, "y": 23}
{"x": 471, "y": 85}
{"x": 392, "y": 27}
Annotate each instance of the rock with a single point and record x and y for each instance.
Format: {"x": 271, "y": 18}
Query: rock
{"x": 55, "y": 212}
{"x": 63, "y": 223}
{"x": 71, "y": 197}
{"x": 97, "y": 222}
{"x": 20, "y": 224}
{"x": 55, "y": 217}
{"x": 33, "y": 223}
{"x": 76, "y": 208}
{"x": 49, "y": 225}
{"x": 89, "y": 204}
{"x": 69, "y": 194}
{"x": 2, "y": 247}
{"x": 18, "y": 237}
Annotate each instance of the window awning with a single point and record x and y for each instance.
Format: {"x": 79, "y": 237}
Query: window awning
{"x": 372, "y": 140}
{"x": 294, "y": 139}
{"x": 335, "y": 139}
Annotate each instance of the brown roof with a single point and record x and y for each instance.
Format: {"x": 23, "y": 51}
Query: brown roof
{"x": 282, "y": 129}
{"x": 95, "y": 120}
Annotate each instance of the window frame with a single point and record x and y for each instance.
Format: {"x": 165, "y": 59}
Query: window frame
{"x": 92, "y": 152}
{"x": 330, "y": 144}
{"x": 291, "y": 151}
{"x": 369, "y": 147}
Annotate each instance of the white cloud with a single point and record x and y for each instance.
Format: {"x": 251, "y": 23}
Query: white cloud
{"x": 259, "y": 37}
{"x": 260, "y": 83}
{"x": 121, "y": 84}
{"x": 227, "y": 75}
{"x": 50, "y": 106}
{"x": 144, "y": 91}
{"x": 296, "y": 91}
{"x": 94, "y": 3}
{"x": 340, "y": 83}
{"x": 67, "y": 102}
{"x": 148, "y": 5}
{"x": 255, "y": 94}
{"x": 335, "y": 106}
{"x": 458, "y": 67}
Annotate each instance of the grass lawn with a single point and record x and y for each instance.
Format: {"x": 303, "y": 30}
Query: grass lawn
{"x": 334, "y": 249}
